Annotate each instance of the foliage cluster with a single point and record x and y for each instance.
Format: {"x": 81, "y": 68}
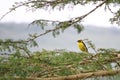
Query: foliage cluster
{"x": 57, "y": 63}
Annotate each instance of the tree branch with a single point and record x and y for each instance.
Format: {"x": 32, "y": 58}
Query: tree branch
{"x": 81, "y": 17}
{"x": 43, "y": 3}
{"x": 73, "y": 21}
{"x": 110, "y": 9}
{"x": 77, "y": 76}
{"x": 84, "y": 62}
{"x": 59, "y": 25}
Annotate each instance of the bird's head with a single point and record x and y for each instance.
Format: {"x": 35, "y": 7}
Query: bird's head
{"x": 79, "y": 41}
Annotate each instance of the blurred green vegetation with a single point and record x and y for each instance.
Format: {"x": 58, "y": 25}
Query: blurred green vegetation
{"x": 56, "y": 63}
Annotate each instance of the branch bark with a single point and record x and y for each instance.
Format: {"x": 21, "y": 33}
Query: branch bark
{"x": 77, "y": 76}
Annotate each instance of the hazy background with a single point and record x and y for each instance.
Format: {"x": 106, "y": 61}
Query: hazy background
{"x": 102, "y": 37}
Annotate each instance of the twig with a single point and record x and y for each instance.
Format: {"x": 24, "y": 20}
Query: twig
{"x": 47, "y": 31}
{"x": 81, "y": 17}
{"x": 10, "y": 44}
{"x": 110, "y": 9}
{"x": 43, "y": 3}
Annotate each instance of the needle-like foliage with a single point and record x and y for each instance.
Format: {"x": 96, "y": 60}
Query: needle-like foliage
{"x": 58, "y": 63}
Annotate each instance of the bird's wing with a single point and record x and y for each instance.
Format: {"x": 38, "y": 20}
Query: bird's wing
{"x": 85, "y": 47}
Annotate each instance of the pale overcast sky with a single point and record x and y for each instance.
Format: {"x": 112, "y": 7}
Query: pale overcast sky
{"x": 98, "y": 18}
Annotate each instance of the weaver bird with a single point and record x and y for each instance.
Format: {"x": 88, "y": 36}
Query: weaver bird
{"x": 82, "y": 46}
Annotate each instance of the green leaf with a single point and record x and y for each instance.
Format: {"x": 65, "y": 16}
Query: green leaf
{"x": 78, "y": 27}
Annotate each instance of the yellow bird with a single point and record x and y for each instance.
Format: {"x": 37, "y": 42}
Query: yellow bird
{"x": 82, "y": 46}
